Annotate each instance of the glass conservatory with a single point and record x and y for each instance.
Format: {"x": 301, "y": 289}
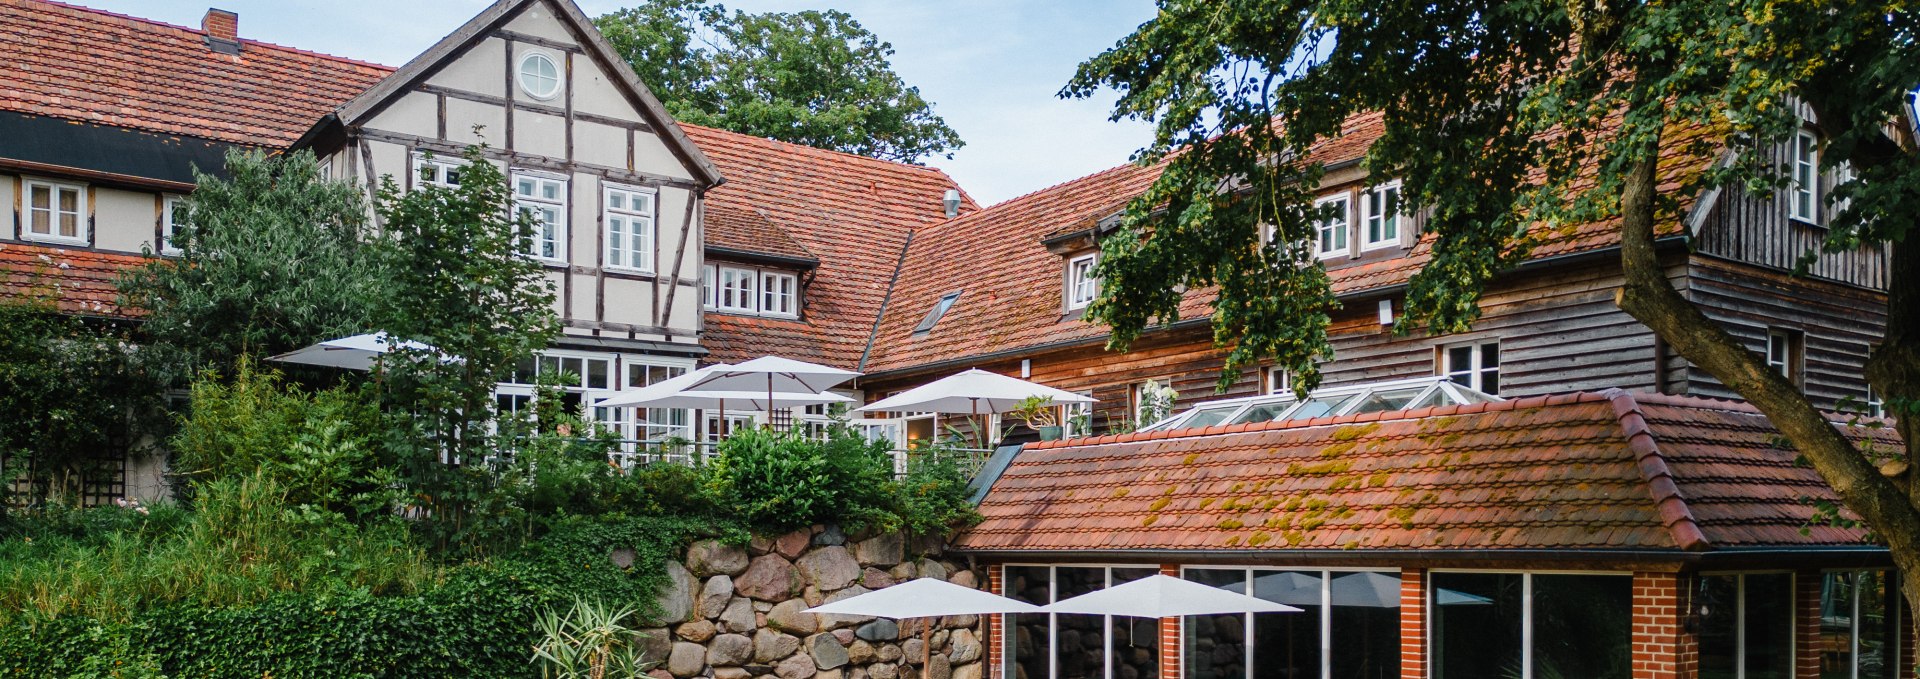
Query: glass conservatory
{"x": 1408, "y": 394}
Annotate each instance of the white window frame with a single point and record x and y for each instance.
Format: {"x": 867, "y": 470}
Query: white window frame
{"x": 1082, "y": 286}
{"x": 1876, "y": 407}
{"x": 1803, "y": 200}
{"x": 1526, "y": 608}
{"x": 82, "y": 226}
{"x": 1275, "y": 380}
{"x": 533, "y": 203}
{"x": 630, "y": 248}
{"x": 1477, "y": 371}
{"x": 169, "y": 205}
{"x": 1781, "y": 342}
{"x": 1106, "y": 670}
{"x": 1326, "y": 606}
{"x": 1338, "y": 229}
{"x": 1368, "y": 218}
{"x": 779, "y": 294}
{"x": 709, "y": 297}
{"x": 737, "y": 290}
{"x": 442, "y": 166}
{"x": 520, "y": 75}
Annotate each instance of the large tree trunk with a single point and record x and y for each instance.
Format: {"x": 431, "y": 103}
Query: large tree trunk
{"x": 1885, "y": 505}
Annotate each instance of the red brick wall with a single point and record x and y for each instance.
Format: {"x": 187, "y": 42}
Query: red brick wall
{"x": 1170, "y": 631}
{"x": 1413, "y": 624}
{"x": 1806, "y": 624}
{"x": 996, "y": 583}
{"x": 221, "y": 24}
{"x": 1661, "y": 649}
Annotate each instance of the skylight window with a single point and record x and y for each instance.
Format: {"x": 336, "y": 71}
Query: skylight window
{"x": 1419, "y": 392}
{"x": 933, "y": 315}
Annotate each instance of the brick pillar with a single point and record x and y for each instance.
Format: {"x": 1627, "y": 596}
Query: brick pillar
{"x": 1170, "y": 631}
{"x": 997, "y": 584}
{"x": 1413, "y": 623}
{"x": 1659, "y": 646}
{"x": 1806, "y": 624}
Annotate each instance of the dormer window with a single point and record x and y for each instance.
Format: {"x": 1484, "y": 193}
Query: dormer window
{"x": 1330, "y": 234}
{"x": 1381, "y": 221}
{"x": 539, "y": 76}
{"x": 748, "y": 290}
{"x": 1082, "y": 286}
{"x": 1803, "y": 201}
{"x": 56, "y": 212}
{"x": 173, "y": 216}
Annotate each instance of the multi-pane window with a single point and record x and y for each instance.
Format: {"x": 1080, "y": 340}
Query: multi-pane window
{"x": 1476, "y": 365}
{"x": 1381, "y": 219}
{"x": 629, "y": 219}
{"x": 735, "y": 290}
{"x": 709, "y": 297}
{"x": 56, "y": 212}
{"x": 1348, "y": 626}
{"x": 1531, "y": 625}
{"x": 778, "y": 292}
{"x": 590, "y": 373}
{"x": 1804, "y": 198}
{"x": 1077, "y": 418}
{"x": 1859, "y": 625}
{"x": 1082, "y": 286}
{"x": 545, "y": 199}
{"x": 657, "y": 424}
{"x": 173, "y": 216}
{"x": 435, "y": 170}
{"x": 1330, "y": 234}
{"x": 1783, "y": 354}
{"x": 1274, "y": 380}
{"x": 1065, "y": 645}
{"x": 1745, "y": 625}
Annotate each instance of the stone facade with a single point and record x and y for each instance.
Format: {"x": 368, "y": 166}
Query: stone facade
{"x": 736, "y": 612}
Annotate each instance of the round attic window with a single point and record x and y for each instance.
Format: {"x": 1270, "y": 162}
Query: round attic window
{"x": 539, "y": 76}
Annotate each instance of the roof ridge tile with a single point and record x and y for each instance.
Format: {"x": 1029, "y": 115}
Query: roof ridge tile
{"x": 1659, "y": 479}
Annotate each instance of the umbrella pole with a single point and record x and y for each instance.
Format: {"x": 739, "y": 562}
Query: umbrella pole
{"x": 769, "y": 401}
{"x": 978, "y": 440}
{"x": 926, "y": 644}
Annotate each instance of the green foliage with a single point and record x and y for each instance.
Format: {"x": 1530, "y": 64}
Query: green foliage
{"x": 933, "y": 497}
{"x": 773, "y": 481}
{"x": 316, "y": 446}
{"x": 273, "y": 257}
{"x": 73, "y": 392}
{"x": 776, "y": 482}
{"x": 812, "y": 77}
{"x": 244, "y": 543}
{"x": 591, "y": 641}
{"x": 465, "y": 287}
{"x": 1498, "y": 116}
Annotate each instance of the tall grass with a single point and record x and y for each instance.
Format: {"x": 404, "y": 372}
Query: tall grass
{"x": 244, "y": 543}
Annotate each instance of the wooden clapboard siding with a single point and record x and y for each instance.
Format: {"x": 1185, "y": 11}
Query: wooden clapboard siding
{"x": 1747, "y": 228}
{"x": 1838, "y": 323}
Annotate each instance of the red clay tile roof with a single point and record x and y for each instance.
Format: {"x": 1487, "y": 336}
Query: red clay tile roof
{"x": 84, "y": 64}
{"x": 737, "y": 227}
{"x": 1013, "y": 283}
{"x": 852, "y": 212}
{"x": 1610, "y": 470}
{"x": 80, "y": 281}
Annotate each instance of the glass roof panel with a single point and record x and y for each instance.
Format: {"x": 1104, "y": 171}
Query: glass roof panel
{"x": 1387, "y": 400}
{"x": 1264, "y": 412}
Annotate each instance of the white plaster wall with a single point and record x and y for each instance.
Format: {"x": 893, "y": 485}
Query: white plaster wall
{"x": 416, "y": 113}
{"x": 480, "y": 70}
{"x": 539, "y": 134}
{"x": 538, "y": 20}
{"x": 124, "y": 220}
{"x": 598, "y": 144}
{"x": 463, "y": 115}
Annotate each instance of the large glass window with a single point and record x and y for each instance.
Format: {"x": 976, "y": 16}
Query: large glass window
{"x": 1475, "y": 365}
{"x": 1348, "y": 626}
{"x": 56, "y": 212}
{"x": 1077, "y": 646}
{"x": 1856, "y": 631}
{"x": 1531, "y": 626}
{"x": 1745, "y": 625}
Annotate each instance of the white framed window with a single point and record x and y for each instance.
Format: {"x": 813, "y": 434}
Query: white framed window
{"x": 1783, "y": 353}
{"x": 1804, "y": 198}
{"x": 657, "y": 424}
{"x": 1082, "y": 286}
{"x": 778, "y": 292}
{"x": 539, "y": 76}
{"x": 173, "y": 215}
{"x": 628, "y": 215}
{"x": 56, "y": 212}
{"x": 708, "y": 298}
{"x": 736, "y": 289}
{"x": 1275, "y": 380}
{"x": 1348, "y": 625}
{"x": 1475, "y": 365}
{"x": 1330, "y": 234}
{"x": 1069, "y": 645}
{"x": 1382, "y": 217}
{"x": 1077, "y": 418}
{"x": 545, "y": 198}
{"x": 436, "y": 170}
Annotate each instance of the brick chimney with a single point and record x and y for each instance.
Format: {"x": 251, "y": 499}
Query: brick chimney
{"x": 223, "y": 31}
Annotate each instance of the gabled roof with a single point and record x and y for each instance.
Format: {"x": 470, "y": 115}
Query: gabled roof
{"x": 734, "y": 230}
{"x": 1014, "y": 281}
{"x": 1588, "y": 471}
{"x": 88, "y": 65}
{"x": 372, "y": 100}
{"x": 852, "y": 212}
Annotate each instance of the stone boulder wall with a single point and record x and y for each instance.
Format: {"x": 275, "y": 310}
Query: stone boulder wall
{"x": 735, "y": 611}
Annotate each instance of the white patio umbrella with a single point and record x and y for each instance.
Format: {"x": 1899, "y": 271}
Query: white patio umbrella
{"x": 1165, "y": 596}
{"x": 925, "y": 598}
{"x": 972, "y": 392}
{"x": 352, "y": 353}
{"x": 673, "y": 393}
{"x": 770, "y": 375}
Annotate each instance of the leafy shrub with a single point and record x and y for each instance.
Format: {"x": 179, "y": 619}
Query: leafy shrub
{"x": 933, "y": 497}
{"x": 671, "y": 490}
{"x": 316, "y": 447}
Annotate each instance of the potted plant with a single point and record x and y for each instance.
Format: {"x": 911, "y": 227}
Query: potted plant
{"x": 1038, "y": 412}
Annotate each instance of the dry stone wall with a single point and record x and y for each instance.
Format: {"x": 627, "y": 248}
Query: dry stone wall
{"x": 736, "y": 611}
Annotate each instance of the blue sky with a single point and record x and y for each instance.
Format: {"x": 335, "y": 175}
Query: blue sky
{"x": 991, "y": 67}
